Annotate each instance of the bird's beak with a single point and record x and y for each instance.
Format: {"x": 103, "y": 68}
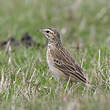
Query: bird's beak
{"x": 42, "y": 31}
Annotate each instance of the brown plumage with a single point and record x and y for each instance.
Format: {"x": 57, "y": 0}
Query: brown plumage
{"x": 60, "y": 62}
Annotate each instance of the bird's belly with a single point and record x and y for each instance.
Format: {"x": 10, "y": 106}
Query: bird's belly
{"x": 57, "y": 73}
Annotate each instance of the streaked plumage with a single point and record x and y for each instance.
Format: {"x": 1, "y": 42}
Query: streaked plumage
{"x": 60, "y": 62}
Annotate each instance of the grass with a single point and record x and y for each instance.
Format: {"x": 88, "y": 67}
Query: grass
{"x": 26, "y": 83}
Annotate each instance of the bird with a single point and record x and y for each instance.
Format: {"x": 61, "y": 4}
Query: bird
{"x": 60, "y": 61}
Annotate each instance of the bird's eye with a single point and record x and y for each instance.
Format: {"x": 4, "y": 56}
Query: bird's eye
{"x": 47, "y": 31}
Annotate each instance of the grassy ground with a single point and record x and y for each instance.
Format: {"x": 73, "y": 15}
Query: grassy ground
{"x": 25, "y": 82}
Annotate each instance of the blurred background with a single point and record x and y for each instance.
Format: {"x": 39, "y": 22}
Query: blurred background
{"x": 25, "y": 82}
{"x": 74, "y": 19}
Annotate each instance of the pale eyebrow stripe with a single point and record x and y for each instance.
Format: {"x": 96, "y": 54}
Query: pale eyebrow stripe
{"x": 50, "y": 30}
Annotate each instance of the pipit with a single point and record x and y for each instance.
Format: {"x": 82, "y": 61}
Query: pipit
{"x": 60, "y": 61}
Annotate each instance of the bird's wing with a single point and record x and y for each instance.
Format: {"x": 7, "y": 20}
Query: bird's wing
{"x": 65, "y": 63}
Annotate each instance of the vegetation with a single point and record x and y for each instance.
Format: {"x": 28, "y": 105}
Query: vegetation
{"x": 25, "y": 81}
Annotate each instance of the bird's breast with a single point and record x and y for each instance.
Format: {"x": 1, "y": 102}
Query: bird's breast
{"x": 57, "y": 73}
{"x": 49, "y": 58}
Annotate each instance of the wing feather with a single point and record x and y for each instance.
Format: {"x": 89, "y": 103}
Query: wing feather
{"x": 64, "y": 62}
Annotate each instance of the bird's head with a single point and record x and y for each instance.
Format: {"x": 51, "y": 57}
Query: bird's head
{"x": 51, "y": 34}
